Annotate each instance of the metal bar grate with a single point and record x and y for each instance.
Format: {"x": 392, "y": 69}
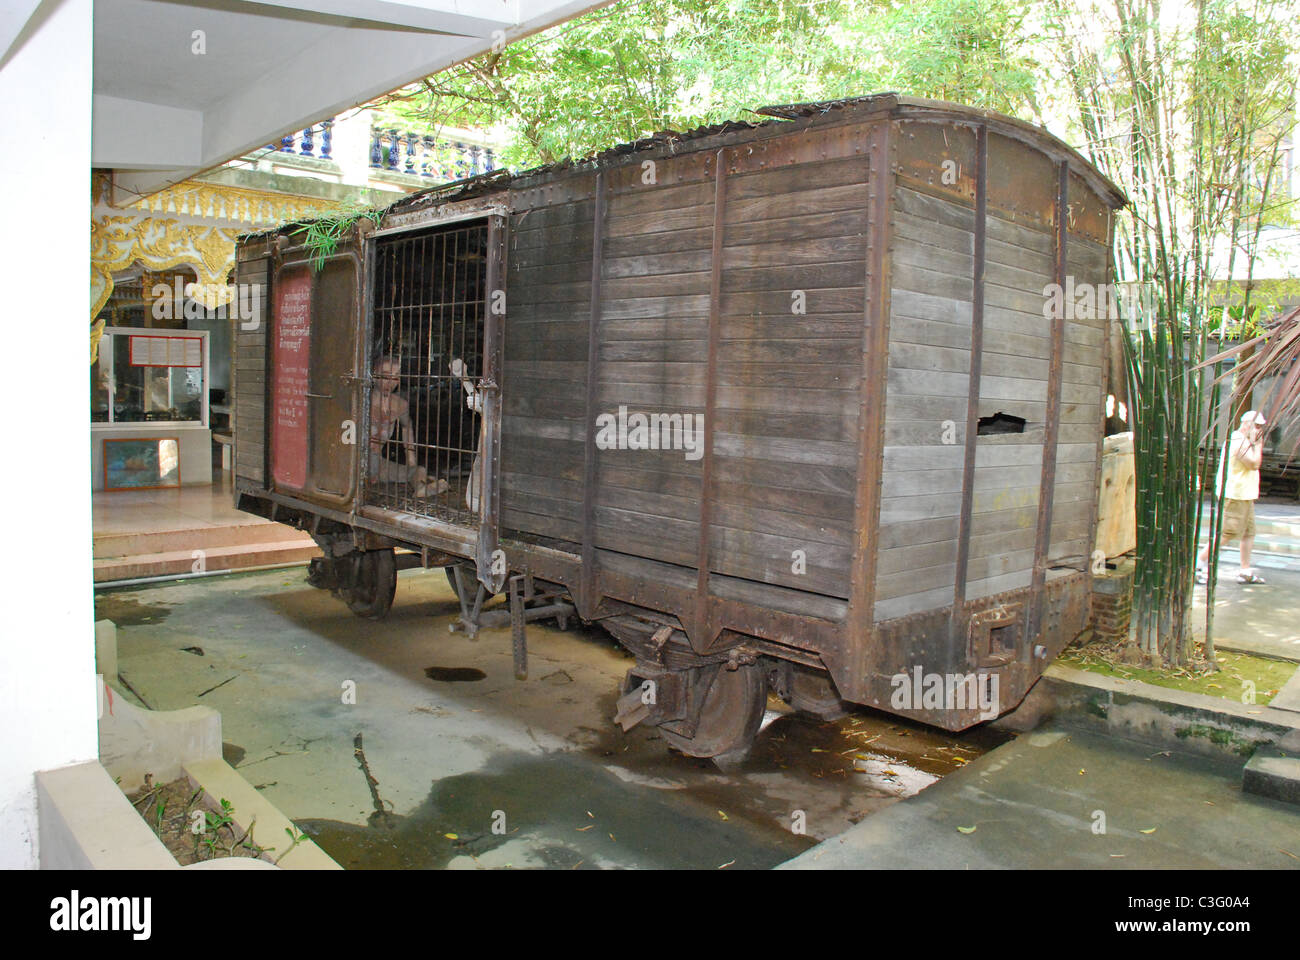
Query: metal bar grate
{"x": 426, "y": 370}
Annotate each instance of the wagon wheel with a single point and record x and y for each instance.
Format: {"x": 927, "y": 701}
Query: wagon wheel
{"x": 730, "y": 718}
{"x": 813, "y": 691}
{"x": 373, "y": 584}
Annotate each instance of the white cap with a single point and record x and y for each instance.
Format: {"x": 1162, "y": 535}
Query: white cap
{"x": 1253, "y": 416}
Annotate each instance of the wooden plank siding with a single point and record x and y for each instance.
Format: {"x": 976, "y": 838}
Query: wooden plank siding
{"x": 1083, "y": 379}
{"x": 785, "y": 431}
{"x": 931, "y": 290}
{"x": 249, "y": 377}
{"x": 932, "y": 250}
{"x": 792, "y": 299}
{"x": 784, "y": 437}
{"x": 1017, "y": 352}
{"x": 548, "y": 283}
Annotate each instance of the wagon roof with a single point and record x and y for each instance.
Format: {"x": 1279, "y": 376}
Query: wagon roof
{"x": 789, "y": 117}
{"x": 922, "y": 108}
{"x": 786, "y": 118}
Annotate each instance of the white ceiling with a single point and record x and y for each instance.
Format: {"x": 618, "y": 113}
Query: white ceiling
{"x": 163, "y": 112}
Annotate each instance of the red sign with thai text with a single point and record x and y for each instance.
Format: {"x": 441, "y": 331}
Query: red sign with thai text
{"x": 291, "y": 377}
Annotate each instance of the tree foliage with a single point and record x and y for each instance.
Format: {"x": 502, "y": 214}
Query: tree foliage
{"x": 1185, "y": 107}
{"x": 634, "y": 68}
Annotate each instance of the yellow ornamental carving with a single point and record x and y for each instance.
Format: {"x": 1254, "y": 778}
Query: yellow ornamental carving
{"x": 119, "y": 241}
{"x": 96, "y": 334}
{"x": 161, "y": 242}
{"x": 234, "y": 203}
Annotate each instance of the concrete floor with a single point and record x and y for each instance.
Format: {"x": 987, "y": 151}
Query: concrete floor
{"x": 1259, "y": 618}
{"x": 539, "y": 758}
{"x": 1254, "y": 618}
{"x": 1033, "y": 803}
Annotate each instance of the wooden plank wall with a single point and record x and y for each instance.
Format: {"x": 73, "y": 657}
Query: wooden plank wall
{"x": 930, "y": 335}
{"x": 1082, "y": 399}
{"x": 787, "y": 420}
{"x": 785, "y": 436}
{"x": 931, "y": 291}
{"x": 249, "y": 376}
{"x": 1017, "y": 353}
{"x": 548, "y": 290}
{"x": 786, "y": 425}
{"x": 651, "y": 345}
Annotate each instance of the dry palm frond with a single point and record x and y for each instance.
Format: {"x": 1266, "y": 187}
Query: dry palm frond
{"x": 1274, "y": 353}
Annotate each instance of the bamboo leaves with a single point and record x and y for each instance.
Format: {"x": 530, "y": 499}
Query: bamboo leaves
{"x": 322, "y": 236}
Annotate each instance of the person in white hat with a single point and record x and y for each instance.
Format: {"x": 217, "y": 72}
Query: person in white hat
{"x": 1240, "y": 489}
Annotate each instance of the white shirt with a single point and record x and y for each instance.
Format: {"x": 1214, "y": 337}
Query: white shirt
{"x": 1242, "y": 481}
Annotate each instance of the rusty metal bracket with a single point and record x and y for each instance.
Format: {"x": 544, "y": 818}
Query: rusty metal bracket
{"x": 518, "y": 625}
{"x": 588, "y": 594}
{"x": 470, "y": 613}
{"x": 1047, "y": 485}
{"x": 652, "y": 694}
{"x": 525, "y": 602}
{"x": 703, "y": 623}
{"x": 975, "y": 375}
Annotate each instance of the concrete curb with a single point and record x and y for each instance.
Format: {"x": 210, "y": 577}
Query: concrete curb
{"x": 1169, "y": 719}
{"x": 87, "y": 823}
{"x": 220, "y": 781}
{"x": 134, "y": 741}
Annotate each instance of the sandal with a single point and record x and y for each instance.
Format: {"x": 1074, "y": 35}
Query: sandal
{"x": 1251, "y": 577}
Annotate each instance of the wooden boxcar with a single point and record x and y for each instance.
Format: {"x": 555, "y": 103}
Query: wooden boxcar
{"x": 785, "y": 405}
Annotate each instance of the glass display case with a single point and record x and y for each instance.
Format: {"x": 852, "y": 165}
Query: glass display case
{"x": 150, "y": 376}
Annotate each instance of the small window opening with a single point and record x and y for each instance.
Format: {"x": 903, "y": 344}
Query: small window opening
{"x": 1004, "y": 638}
{"x": 1000, "y": 423}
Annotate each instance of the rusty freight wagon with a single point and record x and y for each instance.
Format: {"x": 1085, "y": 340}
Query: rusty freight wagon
{"x": 784, "y": 406}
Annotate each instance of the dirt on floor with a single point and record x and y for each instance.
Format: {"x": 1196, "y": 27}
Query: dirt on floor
{"x": 1233, "y": 676}
{"x": 174, "y": 810}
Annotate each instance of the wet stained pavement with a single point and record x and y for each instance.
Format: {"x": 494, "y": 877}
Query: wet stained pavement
{"x": 400, "y": 745}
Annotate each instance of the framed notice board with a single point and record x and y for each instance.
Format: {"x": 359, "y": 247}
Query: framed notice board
{"x": 152, "y": 463}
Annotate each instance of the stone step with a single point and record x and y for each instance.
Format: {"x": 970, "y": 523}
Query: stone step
{"x": 215, "y": 559}
{"x": 209, "y": 537}
{"x": 1273, "y": 772}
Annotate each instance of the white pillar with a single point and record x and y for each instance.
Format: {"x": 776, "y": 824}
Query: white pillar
{"x": 352, "y": 146}
{"x": 47, "y": 658}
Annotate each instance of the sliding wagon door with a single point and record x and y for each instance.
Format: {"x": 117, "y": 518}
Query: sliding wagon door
{"x": 314, "y": 412}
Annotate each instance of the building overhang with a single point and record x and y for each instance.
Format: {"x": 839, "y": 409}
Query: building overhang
{"x": 180, "y": 87}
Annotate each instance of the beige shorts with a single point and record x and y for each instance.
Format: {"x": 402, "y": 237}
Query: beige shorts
{"x": 1238, "y": 519}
